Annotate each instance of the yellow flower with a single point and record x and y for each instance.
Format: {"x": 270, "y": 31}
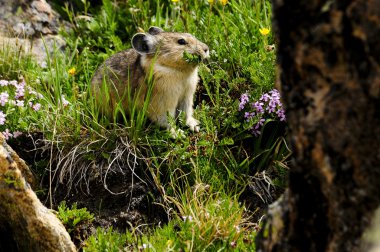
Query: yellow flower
{"x": 72, "y": 71}
{"x": 224, "y": 2}
{"x": 175, "y": 1}
{"x": 264, "y": 31}
{"x": 210, "y": 1}
{"x": 169, "y": 243}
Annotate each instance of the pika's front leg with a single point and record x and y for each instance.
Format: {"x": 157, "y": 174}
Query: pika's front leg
{"x": 187, "y": 106}
{"x": 161, "y": 118}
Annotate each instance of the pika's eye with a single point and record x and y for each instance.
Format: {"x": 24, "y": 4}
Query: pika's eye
{"x": 182, "y": 41}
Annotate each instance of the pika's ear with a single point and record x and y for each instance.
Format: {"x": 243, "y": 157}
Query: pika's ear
{"x": 153, "y": 30}
{"x": 144, "y": 43}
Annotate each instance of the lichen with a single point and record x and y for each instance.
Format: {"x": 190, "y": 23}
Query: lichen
{"x": 11, "y": 180}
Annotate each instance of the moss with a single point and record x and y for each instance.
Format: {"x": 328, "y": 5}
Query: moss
{"x": 11, "y": 179}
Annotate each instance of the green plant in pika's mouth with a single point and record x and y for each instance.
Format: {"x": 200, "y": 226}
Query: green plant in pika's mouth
{"x": 191, "y": 58}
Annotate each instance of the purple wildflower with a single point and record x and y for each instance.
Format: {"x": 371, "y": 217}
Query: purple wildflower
{"x": 243, "y": 100}
{"x": 265, "y": 97}
{"x": 272, "y": 105}
{"x": 259, "y": 124}
{"x": 4, "y": 98}
{"x": 258, "y": 106}
{"x": 2, "y": 118}
{"x": 17, "y": 134}
{"x": 7, "y": 134}
{"x": 255, "y": 130}
{"x": 268, "y": 106}
{"x": 248, "y": 116}
{"x": 4, "y": 83}
{"x": 275, "y": 94}
{"x": 36, "y": 106}
{"x": 281, "y": 114}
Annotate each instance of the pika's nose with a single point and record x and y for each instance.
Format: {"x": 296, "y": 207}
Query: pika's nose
{"x": 206, "y": 50}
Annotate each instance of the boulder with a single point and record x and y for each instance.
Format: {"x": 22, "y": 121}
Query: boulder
{"x": 25, "y": 223}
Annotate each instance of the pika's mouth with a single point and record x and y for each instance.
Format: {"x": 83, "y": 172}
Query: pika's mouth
{"x": 192, "y": 58}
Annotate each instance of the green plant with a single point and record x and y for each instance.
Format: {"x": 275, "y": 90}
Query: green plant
{"x": 106, "y": 240}
{"x": 72, "y": 217}
{"x": 205, "y": 220}
{"x": 204, "y": 223}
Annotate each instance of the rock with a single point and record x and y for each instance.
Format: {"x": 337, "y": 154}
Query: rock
{"x": 28, "y": 18}
{"x": 36, "y": 46}
{"x": 25, "y": 223}
{"x": 28, "y": 24}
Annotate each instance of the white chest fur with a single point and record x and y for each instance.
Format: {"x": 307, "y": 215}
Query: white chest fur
{"x": 173, "y": 90}
{"x": 175, "y": 84}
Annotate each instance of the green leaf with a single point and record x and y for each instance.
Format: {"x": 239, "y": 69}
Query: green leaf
{"x": 226, "y": 141}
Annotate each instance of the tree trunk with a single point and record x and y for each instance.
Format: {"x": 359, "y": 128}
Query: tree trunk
{"x": 328, "y": 55}
{"x": 25, "y": 224}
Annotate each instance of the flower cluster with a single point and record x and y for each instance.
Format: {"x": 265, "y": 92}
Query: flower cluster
{"x": 256, "y": 113}
{"x": 15, "y": 97}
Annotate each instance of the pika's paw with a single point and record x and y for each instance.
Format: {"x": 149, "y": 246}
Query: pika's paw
{"x": 193, "y": 124}
{"x": 174, "y": 134}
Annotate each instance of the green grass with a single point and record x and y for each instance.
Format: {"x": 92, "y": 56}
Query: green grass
{"x": 204, "y": 222}
{"x": 201, "y": 175}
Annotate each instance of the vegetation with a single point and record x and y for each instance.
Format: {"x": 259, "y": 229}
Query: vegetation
{"x": 71, "y": 217}
{"x": 200, "y": 177}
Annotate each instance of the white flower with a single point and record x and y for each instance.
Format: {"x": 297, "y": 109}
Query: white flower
{"x": 4, "y": 83}
{"x": 19, "y": 103}
{"x": 13, "y": 82}
{"x": 43, "y": 64}
{"x": 2, "y": 118}
{"x": 36, "y": 106}
{"x": 190, "y": 218}
{"x": 4, "y": 98}
{"x": 64, "y": 101}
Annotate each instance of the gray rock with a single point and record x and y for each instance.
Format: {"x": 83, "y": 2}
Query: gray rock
{"x": 28, "y": 18}
{"x": 30, "y": 25}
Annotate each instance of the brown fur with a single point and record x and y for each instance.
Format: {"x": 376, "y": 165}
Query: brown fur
{"x": 175, "y": 80}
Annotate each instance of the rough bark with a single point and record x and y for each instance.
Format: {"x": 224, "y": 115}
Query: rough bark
{"x": 25, "y": 224}
{"x": 328, "y": 55}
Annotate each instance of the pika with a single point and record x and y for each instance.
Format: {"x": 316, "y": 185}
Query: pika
{"x": 158, "y": 54}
